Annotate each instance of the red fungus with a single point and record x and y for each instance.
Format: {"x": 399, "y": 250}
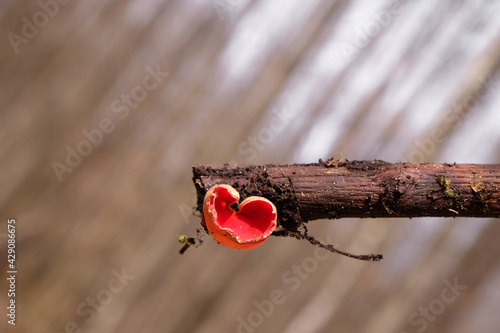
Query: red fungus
{"x": 245, "y": 229}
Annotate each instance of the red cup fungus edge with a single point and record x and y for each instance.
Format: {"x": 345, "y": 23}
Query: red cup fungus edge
{"x": 246, "y": 229}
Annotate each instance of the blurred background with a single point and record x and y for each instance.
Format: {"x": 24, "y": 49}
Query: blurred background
{"x": 105, "y": 105}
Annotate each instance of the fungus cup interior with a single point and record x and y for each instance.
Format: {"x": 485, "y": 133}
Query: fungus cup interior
{"x": 255, "y": 220}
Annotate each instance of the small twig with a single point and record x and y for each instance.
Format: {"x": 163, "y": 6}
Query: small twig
{"x": 328, "y": 247}
{"x": 190, "y": 241}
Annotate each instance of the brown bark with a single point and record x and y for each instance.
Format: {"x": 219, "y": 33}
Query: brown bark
{"x": 336, "y": 189}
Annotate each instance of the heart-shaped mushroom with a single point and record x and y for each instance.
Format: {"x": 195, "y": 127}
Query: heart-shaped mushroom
{"x": 245, "y": 229}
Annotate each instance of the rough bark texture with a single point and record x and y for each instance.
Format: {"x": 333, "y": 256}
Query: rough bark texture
{"x": 336, "y": 189}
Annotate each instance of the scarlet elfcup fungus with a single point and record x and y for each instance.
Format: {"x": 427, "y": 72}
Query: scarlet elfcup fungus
{"x": 242, "y": 230}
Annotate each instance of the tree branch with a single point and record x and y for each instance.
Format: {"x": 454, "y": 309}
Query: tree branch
{"x": 341, "y": 188}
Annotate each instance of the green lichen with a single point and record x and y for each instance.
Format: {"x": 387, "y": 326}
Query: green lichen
{"x": 481, "y": 193}
{"x": 448, "y": 190}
